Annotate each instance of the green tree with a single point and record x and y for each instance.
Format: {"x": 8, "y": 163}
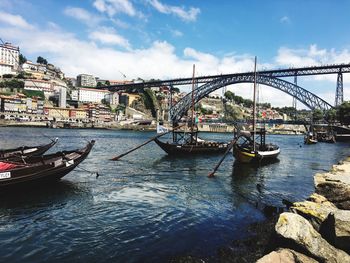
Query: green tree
{"x": 344, "y": 113}
{"x": 41, "y": 60}
{"x": 12, "y": 84}
{"x": 22, "y": 59}
{"x": 247, "y": 103}
{"x": 331, "y": 115}
{"x": 99, "y": 85}
{"x": 150, "y": 101}
{"x": 175, "y": 90}
{"x": 229, "y": 95}
{"x": 231, "y": 113}
{"x": 317, "y": 115}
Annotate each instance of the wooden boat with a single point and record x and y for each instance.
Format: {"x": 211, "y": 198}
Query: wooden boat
{"x": 191, "y": 144}
{"x": 246, "y": 149}
{"x": 327, "y": 137}
{"x": 187, "y": 142}
{"x": 18, "y": 153}
{"x": 309, "y": 138}
{"x": 41, "y": 169}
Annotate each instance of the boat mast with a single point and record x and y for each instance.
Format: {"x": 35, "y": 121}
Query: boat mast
{"x": 254, "y": 105}
{"x": 192, "y": 114}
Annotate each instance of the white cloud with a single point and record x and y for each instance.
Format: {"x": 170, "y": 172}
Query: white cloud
{"x": 176, "y": 33}
{"x": 112, "y": 7}
{"x": 285, "y": 20}
{"x": 159, "y": 60}
{"x": 190, "y": 15}
{"x": 14, "y": 20}
{"x": 108, "y": 36}
{"x": 82, "y": 15}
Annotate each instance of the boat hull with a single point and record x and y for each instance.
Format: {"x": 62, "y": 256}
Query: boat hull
{"x": 18, "y": 153}
{"x": 199, "y": 148}
{"x": 247, "y": 156}
{"x": 43, "y": 169}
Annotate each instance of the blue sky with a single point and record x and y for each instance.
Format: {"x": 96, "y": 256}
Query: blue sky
{"x": 162, "y": 39}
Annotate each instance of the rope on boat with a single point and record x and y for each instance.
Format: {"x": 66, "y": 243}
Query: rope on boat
{"x": 90, "y": 172}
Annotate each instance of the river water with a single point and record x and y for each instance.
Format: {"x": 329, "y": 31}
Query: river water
{"x": 147, "y": 207}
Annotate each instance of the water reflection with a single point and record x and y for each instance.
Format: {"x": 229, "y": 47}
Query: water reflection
{"x": 46, "y": 194}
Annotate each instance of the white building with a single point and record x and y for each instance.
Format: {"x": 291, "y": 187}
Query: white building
{"x": 36, "y": 84}
{"x": 85, "y": 80}
{"x": 92, "y": 95}
{"x": 5, "y": 69}
{"x": 112, "y": 98}
{"x": 62, "y": 97}
{"x": 9, "y": 59}
{"x": 74, "y": 94}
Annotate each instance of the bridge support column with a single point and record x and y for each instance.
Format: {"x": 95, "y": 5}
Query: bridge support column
{"x": 339, "y": 98}
{"x": 294, "y": 99}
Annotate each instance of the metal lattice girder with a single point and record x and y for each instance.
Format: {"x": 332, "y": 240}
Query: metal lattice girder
{"x": 278, "y": 73}
{"x": 307, "y": 98}
{"x": 339, "y": 98}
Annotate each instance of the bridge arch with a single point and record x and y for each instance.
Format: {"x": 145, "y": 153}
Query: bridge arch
{"x": 307, "y": 98}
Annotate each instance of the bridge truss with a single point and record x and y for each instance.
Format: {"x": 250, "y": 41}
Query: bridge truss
{"x": 307, "y": 98}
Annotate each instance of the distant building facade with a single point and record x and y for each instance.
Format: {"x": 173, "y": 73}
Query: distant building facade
{"x": 9, "y": 57}
{"x": 92, "y": 95}
{"x": 85, "y": 80}
{"x": 41, "y": 85}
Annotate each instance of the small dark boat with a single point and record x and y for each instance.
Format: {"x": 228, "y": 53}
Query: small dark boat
{"x": 327, "y": 137}
{"x": 18, "y": 153}
{"x": 189, "y": 143}
{"x": 41, "y": 169}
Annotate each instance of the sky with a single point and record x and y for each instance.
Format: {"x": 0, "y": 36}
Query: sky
{"x": 162, "y": 39}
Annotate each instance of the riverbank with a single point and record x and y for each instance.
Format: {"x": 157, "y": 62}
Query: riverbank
{"x": 318, "y": 229}
{"x": 202, "y": 127}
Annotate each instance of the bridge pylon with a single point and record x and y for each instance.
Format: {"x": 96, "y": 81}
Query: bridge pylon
{"x": 294, "y": 98}
{"x": 339, "y": 97}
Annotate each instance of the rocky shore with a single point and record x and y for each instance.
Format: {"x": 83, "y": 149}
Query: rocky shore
{"x": 315, "y": 230}
{"x": 318, "y": 229}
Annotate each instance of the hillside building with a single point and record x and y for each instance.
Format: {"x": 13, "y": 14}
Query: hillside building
{"x": 92, "y": 95}
{"x": 9, "y": 57}
{"x": 85, "y": 80}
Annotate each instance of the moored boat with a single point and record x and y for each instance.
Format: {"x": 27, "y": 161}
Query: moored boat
{"x": 310, "y": 138}
{"x": 191, "y": 144}
{"x": 246, "y": 148}
{"x": 326, "y": 137}
{"x": 24, "y": 151}
{"x": 41, "y": 169}
{"x": 187, "y": 142}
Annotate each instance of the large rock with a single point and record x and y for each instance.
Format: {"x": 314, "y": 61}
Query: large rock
{"x": 286, "y": 256}
{"x": 296, "y": 228}
{"x": 332, "y": 223}
{"x": 316, "y": 213}
{"x": 335, "y": 186}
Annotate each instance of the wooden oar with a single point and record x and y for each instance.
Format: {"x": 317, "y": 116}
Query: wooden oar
{"x": 143, "y": 144}
{"x": 229, "y": 147}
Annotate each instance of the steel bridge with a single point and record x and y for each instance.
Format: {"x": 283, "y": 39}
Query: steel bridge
{"x": 266, "y": 77}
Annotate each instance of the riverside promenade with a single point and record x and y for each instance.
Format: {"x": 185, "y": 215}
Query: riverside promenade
{"x": 318, "y": 229}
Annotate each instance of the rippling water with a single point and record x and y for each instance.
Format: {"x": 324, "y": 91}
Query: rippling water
{"x": 147, "y": 207}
